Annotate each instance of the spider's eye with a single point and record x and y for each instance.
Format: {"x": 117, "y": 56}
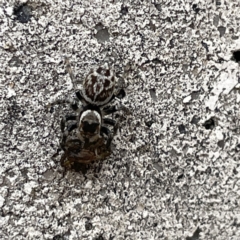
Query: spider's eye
{"x": 89, "y": 127}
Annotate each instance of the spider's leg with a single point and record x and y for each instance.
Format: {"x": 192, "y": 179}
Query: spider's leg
{"x": 66, "y": 132}
{"x": 63, "y": 141}
{"x": 58, "y": 102}
{"x": 71, "y": 127}
{"x": 115, "y": 128}
{"x": 72, "y": 103}
{"x": 62, "y": 124}
{"x": 109, "y": 121}
{"x": 109, "y": 109}
{"x": 117, "y": 107}
{"x": 120, "y": 94}
{"x": 109, "y": 141}
{"x": 112, "y": 123}
{"x": 80, "y": 97}
{"x": 69, "y": 69}
{"x": 71, "y": 117}
{"x": 56, "y": 153}
{"x": 68, "y": 118}
{"x": 105, "y": 130}
{"x": 109, "y": 134}
{"x": 120, "y": 86}
{"x": 74, "y": 106}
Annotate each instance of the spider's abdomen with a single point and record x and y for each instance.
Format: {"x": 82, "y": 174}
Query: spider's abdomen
{"x": 99, "y": 85}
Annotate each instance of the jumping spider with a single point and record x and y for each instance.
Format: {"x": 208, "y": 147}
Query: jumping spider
{"x": 92, "y": 139}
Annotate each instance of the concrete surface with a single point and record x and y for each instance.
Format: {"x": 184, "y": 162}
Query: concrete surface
{"x": 174, "y": 172}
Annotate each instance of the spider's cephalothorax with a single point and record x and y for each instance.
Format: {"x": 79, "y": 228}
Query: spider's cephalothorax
{"x": 89, "y": 125}
{"x": 93, "y": 138}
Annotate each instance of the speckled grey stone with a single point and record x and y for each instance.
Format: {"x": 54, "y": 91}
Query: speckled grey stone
{"x": 171, "y": 174}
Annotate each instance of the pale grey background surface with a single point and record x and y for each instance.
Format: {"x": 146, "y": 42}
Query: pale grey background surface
{"x": 174, "y": 171}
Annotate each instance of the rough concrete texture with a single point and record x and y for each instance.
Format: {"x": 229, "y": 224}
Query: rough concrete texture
{"x": 174, "y": 171}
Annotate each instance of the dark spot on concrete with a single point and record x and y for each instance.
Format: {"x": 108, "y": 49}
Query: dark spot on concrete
{"x": 192, "y": 25}
{"x": 221, "y": 30}
{"x": 99, "y": 26}
{"x": 215, "y": 20}
{"x": 14, "y": 110}
{"x": 218, "y": 2}
{"x": 209, "y": 124}
{"x": 181, "y": 129}
{"x": 220, "y": 60}
{"x": 99, "y": 70}
{"x": 152, "y": 26}
{"x": 235, "y": 171}
{"x": 156, "y": 61}
{"x": 124, "y": 10}
{"x": 51, "y": 110}
{"x": 180, "y": 177}
{"x": 205, "y": 46}
{"x": 158, "y": 7}
{"x": 88, "y": 226}
{"x": 195, "y": 235}
{"x": 236, "y": 56}
{"x": 185, "y": 67}
{"x": 195, "y": 95}
{"x": 102, "y": 35}
{"x": 23, "y": 13}
{"x": 149, "y": 123}
{"x": 208, "y": 170}
{"x": 15, "y": 62}
{"x": 99, "y": 238}
{"x": 111, "y": 237}
{"x": 237, "y": 149}
{"x": 171, "y": 43}
{"x": 59, "y": 237}
{"x": 153, "y": 94}
{"x": 155, "y": 224}
{"x": 221, "y": 143}
{"x": 195, "y": 8}
{"x": 158, "y": 167}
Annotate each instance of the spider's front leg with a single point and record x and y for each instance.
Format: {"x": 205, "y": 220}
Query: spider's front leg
{"x": 66, "y": 130}
{"x": 80, "y": 97}
{"x": 107, "y": 131}
{"x": 73, "y": 104}
{"x": 115, "y": 108}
